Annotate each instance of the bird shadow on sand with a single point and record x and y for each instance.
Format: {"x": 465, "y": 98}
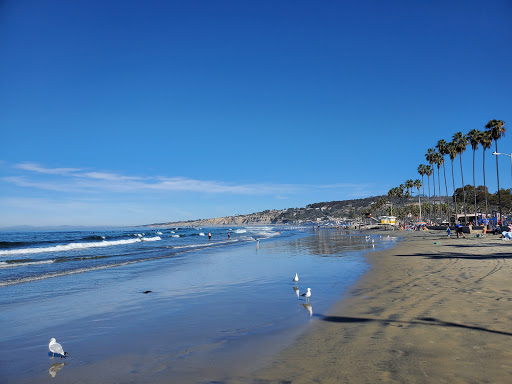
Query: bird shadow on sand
{"x": 425, "y": 321}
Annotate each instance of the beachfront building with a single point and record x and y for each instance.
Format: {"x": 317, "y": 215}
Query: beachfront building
{"x": 388, "y": 220}
{"x": 461, "y": 218}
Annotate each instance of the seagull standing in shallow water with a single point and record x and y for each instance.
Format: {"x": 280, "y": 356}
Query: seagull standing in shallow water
{"x": 296, "y": 278}
{"x": 56, "y": 348}
{"x": 307, "y": 295}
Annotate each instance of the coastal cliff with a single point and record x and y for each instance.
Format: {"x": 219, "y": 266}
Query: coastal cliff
{"x": 326, "y": 211}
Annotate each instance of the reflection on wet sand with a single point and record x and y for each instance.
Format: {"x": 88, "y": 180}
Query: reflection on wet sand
{"x": 309, "y": 308}
{"x": 56, "y": 367}
{"x": 337, "y": 243}
{"x": 297, "y": 292}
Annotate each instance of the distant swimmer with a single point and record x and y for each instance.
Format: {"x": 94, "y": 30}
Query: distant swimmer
{"x": 229, "y": 236}
{"x": 209, "y": 236}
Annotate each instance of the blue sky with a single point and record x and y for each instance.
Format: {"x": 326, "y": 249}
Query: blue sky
{"x": 135, "y": 112}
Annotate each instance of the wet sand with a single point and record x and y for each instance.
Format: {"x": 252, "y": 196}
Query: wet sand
{"x": 424, "y": 313}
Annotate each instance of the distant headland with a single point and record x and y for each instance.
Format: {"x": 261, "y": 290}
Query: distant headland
{"x": 317, "y": 212}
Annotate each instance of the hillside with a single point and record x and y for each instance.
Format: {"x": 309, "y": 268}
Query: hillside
{"x": 332, "y": 210}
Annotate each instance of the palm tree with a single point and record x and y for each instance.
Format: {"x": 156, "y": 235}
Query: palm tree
{"x": 486, "y": 143}
{"x": 474, "y": 140}
{"x": 417, "y": 184}
{"x": 452, "y": 151}
{"x": 438, "y": 160}
{"x": 497, "y": 129}
{"x": 461, "y": 144}
{"x": 442, "y": 148}
{"x": 409, "y": 184}
{"x": 428, "y": 172}
{"x": 422, "y": 168}
{"x": 430, "y": 157}
{"x": 401, "y": 190}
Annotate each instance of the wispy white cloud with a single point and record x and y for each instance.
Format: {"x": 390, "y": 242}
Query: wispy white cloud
{"x": 51, "y": 171}
{"x": 22, "y": 181}
{"x": 86, "y": 181}
{"x": 77, "y": 180}
{"x": 107, "y": 176}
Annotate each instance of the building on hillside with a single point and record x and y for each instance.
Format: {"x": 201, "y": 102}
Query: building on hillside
{"x": 388, "y": 220}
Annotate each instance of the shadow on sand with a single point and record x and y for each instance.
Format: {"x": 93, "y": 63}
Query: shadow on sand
{"x": 452, "y": 256}
{"x": 429, "y": 321}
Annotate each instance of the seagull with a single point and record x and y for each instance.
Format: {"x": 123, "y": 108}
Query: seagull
{"x": 296, "y": 278}
{"x": 56, "y": 348}
{"x": 307, "y": 295}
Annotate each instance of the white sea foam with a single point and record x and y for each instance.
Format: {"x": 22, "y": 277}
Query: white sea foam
{"x": 76, "y": 246}
{"x": 201, "y": 234}
{"x": 259, "y": 232}
{"x": 175, "y": 235}
{"x": 73, "y": 272}
{"x": 3, "y": 264}
{"x": 156, "y": 238}
{"x": 209, "y": 244}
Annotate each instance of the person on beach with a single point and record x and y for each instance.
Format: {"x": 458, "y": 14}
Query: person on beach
{"x": 209, "y": 236}
{"x": 448, "y": 231}
{"x": 507, "y": 234}
{"x": 460, "y": 231}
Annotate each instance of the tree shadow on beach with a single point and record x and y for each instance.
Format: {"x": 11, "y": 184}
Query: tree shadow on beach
{"x": 455, "y": 256}
{"x": 428, "y": 321}
{"x": 487, "y": 245}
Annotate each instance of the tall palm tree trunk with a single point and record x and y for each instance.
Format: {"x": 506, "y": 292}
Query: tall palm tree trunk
{"x": 498, "y": 178}
{"x": 474, "y": 185}
{"x": 463, "y": 192}
{"x": 439, "y": 196}
{"x": 419, "y": 202}
{"x": 429, "y": 212}
{"x": 446, "y": 188}
{"x": 434, "y": 197}
{"x": 422, "y": 186}
{"x": 485, "y": 189}
{"x": 454, "y": 194}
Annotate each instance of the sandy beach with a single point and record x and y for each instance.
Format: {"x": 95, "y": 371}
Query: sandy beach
{"x": 424, "y": 313}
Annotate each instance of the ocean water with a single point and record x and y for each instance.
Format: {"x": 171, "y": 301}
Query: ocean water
{"x": 28, "y": 256}
{"x": 217, "y": 308}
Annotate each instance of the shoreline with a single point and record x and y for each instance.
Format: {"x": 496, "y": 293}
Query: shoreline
{"x": 423, "y": 313}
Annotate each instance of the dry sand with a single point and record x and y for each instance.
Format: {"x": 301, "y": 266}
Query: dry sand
{"x": 424, "y": 313}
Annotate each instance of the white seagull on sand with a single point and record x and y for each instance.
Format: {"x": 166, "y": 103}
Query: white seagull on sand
{"x": 296, "y": 278}
{"x": 307, "y": 295}
{"x": 56, "y": 348}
